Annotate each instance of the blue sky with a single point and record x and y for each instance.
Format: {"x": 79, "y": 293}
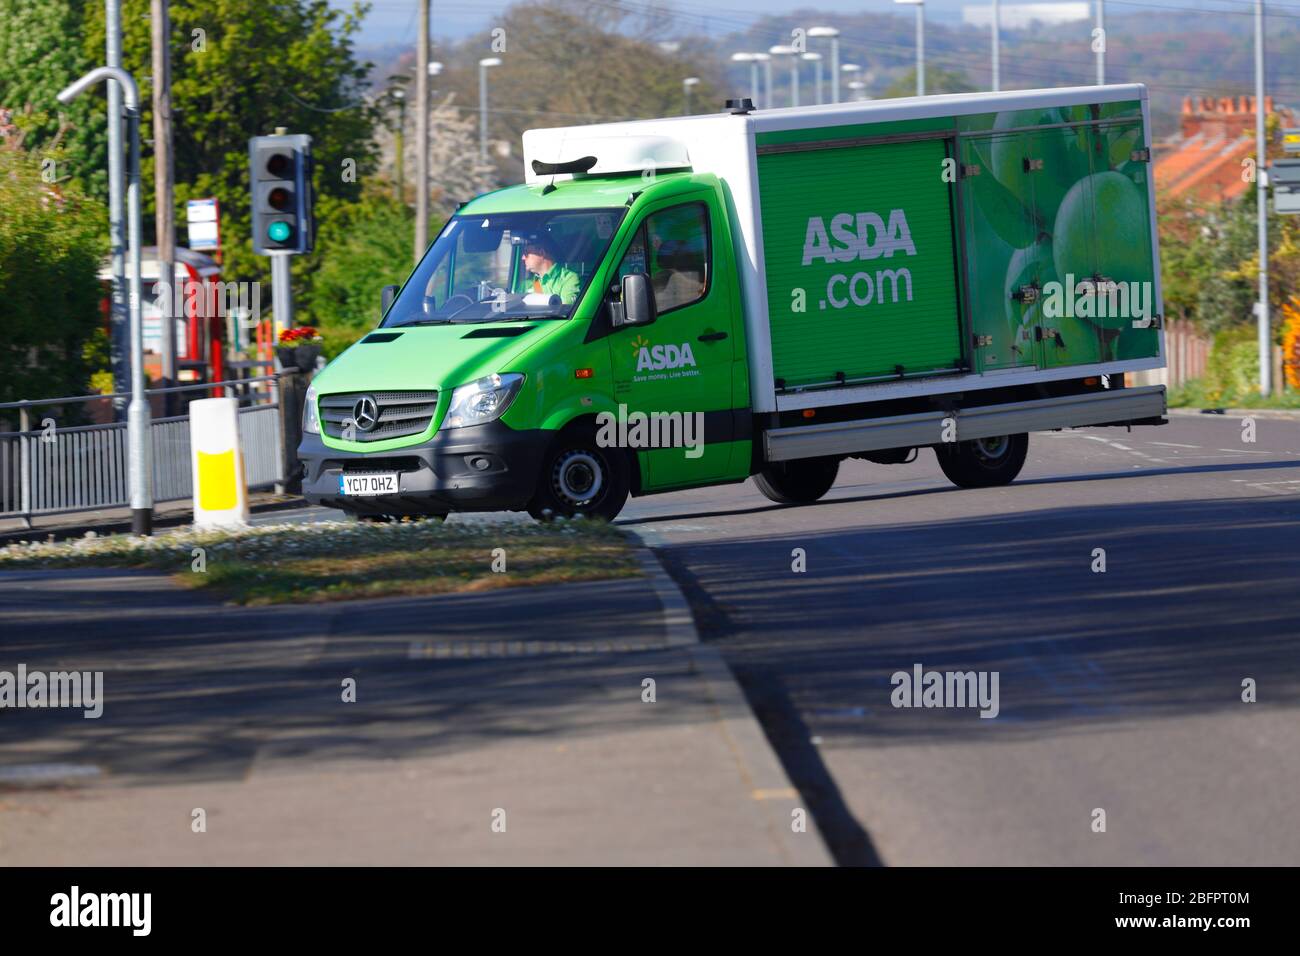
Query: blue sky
{"x": 395, "y": 21}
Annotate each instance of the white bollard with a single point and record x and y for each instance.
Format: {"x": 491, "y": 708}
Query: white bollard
{"x": 220, "y": 489}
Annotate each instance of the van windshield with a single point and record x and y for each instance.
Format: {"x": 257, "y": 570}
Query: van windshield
{"x": 512, "y": 265}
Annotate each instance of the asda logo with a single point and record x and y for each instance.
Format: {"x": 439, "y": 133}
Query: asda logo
{"x": 656, "y": 358}
{"x": 863, "y": 235}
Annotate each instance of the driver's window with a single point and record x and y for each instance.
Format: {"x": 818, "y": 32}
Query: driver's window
{"x": 672, "y": 248}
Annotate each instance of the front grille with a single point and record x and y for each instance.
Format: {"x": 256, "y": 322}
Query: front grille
{"x": 398, "y": 414}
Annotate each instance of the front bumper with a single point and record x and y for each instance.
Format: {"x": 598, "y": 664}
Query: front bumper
{"x": 488, "y": 467}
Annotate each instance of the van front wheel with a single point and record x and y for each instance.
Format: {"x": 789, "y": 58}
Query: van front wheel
{"x": 798, "y": 482}
{"x": 983, "y": 462}
{"x": 580, "y": 477}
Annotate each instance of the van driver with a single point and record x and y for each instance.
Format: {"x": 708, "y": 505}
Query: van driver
{"x": 549, "y": 277}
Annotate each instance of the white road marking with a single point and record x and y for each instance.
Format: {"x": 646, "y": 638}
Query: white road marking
{"x": 1132, "y": 451}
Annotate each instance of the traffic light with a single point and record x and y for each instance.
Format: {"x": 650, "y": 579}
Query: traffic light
{"x": 280, "y": 174}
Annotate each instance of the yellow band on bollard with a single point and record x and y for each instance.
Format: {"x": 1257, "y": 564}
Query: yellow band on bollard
{"x": 218, "y": 490}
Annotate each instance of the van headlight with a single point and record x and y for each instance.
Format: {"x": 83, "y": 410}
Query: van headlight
{"x": 482, "y": 401}
{"x": 310, "y": 417}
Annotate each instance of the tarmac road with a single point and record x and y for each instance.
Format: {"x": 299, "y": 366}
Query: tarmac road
{"x": 1119, "y": 691}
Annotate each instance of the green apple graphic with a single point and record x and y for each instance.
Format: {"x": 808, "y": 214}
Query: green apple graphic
{"x": 1116, "y": 246}
{"x": 1063, "y": 159}
{"x": 1001, "y": 205}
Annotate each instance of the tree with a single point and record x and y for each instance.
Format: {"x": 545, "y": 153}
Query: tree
{"x": 38, "y": 61}
{"x": 240, "y": 68}
{"x": 51, "y": 241}
{"x": 571, "y": 62}
{"x": 370, "y": 247}
{"x": 937, "y": 80}
{"x": 455, "y": 171}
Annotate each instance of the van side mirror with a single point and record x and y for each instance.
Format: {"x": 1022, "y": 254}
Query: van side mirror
{"x": 386, "y": 298}
{"x": 638, "y": 305}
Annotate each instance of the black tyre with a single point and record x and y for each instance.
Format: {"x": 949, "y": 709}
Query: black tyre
{"x": 983, "y": 462}
{"x": 798, "y": 482}
{"x": 581, "y": 478}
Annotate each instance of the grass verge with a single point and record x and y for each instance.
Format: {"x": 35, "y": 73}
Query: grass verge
{"x": 339, "y": 560}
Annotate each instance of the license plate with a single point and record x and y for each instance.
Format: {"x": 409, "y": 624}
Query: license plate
{"x": 360, "y": 485}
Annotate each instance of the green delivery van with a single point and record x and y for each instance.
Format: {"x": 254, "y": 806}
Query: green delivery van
{"x": 698, "y": 300}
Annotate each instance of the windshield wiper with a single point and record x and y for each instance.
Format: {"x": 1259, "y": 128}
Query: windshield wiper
{"x": 426, "y": 321}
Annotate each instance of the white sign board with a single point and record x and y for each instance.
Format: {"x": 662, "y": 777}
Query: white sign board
{"x": 201, "y": 215}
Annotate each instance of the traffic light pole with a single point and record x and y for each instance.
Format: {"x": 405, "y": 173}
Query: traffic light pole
{"x": 281, "y": 289}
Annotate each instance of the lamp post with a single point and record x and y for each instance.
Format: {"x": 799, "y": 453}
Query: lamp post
{"x": 834, "y": 36}
{"x": 1261, "y": 197}
{"x": 139, "y": 450}
{"x": 997, "y": 52}
{"x": 752, "y": 60}
{"x": 816, "y": 58}
{"x": 687, "y": 85}
{"x": 793, "y": 54}
{"x": 920, "y": 42}
{"x": 483, "y": 66}
{"x": 1101, "y": 47}
{"x": 766, "y": 60}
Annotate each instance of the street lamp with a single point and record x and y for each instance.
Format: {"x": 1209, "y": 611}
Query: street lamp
{"x": 834, "y": 36}
{"x": 920, "y": 42}
{"x": 857, "y": 86}
{"x": 139, "y": 441}
{"x": 687, "y": 84}
{"x": 817, "y": 59}
{"x": 793, "y": 54}
{"x": 483, "y": 66}
{"x": 851, "y": 71}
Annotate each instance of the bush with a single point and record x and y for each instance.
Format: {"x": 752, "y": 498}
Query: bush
{"x": 1232, "y": 371}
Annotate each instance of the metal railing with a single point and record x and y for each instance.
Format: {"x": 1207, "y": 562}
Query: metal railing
{"x": 55, "y": 469}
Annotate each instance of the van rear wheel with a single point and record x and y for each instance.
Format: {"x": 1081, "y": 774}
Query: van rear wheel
{"x": 798, "y": 482}
{"x": 983, "y": 462}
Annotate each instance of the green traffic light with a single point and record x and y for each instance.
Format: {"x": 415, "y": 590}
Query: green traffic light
{"x": 279, "y": 231}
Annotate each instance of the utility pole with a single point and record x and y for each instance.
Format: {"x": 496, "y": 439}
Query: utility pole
{"x": 164, "y": 219}
{"x": 400, "y": 96}
{"x": 118, "y": 342}
{"x": 422, "y": 135}
{"x": 1261, "y": 196}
